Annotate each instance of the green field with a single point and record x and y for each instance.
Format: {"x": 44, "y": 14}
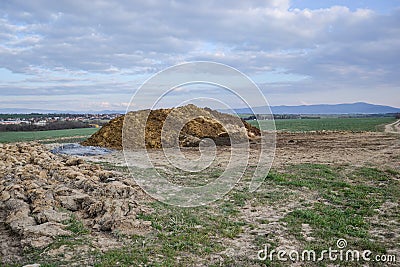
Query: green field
{"x": 70, "y": 134}
{"x": 329, "y": 124}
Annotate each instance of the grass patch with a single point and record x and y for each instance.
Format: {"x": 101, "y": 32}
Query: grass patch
{"x": 190, "y": 179}
{"x": 76, "y": 226}
{"x": 10, "y": 137}
{"x": 112, "y": 166}
{"x": 350, "y": 198}
{"x": 181, "y": 236}
{"x": 79, "y": 237}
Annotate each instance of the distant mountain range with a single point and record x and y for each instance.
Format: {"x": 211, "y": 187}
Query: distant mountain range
{"x": 353, "y": 108}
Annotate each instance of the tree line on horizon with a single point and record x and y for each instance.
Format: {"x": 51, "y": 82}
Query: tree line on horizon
{"x": 57, "y": 125}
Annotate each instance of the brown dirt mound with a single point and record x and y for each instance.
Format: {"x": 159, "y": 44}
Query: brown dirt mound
{"x": 189, "y": 123}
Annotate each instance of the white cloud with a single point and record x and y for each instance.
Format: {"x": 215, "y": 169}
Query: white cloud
{"x": 86, "y": 47}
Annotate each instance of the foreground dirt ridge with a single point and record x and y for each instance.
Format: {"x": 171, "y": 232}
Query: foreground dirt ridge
{"x": 41, "y": 192}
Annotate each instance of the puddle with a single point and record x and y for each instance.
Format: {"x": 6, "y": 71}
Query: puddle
{"x": 79, "y": 150}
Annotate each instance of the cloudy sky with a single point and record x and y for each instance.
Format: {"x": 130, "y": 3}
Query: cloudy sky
{"x": 93, "y": 55}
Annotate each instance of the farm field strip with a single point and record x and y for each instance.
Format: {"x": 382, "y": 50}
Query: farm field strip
{"x": 328, "y": 124}
{"x": 9, "y": 137}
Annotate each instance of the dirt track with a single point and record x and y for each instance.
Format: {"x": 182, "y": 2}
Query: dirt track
{"x": 393, "y": 127}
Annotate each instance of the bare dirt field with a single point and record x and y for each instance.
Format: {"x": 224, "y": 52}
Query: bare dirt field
{"x": 358, "y": 149}
{"x": 61, "y": 211}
